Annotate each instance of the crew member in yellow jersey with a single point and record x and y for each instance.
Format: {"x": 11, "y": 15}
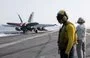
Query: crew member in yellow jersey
{"x": 67, "y": 37}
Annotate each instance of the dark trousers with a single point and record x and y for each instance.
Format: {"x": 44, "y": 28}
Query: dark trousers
{"x": 63, "y": 55}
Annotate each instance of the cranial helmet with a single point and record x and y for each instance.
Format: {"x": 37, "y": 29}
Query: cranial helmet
{"x": 62, "y": 13}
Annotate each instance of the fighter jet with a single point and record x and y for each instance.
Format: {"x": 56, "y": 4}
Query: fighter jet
{"x": 21, "y": 21}
{"x": 30, "y": 26}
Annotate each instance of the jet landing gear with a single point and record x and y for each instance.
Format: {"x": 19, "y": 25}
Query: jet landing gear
{"x": 35, "y": 30}
{"x": 24, "y": 29}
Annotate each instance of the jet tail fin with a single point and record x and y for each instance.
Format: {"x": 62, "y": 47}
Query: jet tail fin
{"x": 31, "y": 17}
{"x": 20, "y": 18}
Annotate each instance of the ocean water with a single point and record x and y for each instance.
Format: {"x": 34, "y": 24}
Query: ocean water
{"x": 6, "y": 30}
{"x": 53, "y": 28}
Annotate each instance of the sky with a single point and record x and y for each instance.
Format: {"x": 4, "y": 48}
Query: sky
{"x": 45, "y": 11}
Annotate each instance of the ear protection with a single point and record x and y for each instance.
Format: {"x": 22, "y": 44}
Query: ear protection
{"x": 65, "y": 18}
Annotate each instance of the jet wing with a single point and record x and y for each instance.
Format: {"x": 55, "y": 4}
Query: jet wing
{"x": 14, "y": 24}
{"x": 41, "y": 27}
{"x": 44, "y": 25}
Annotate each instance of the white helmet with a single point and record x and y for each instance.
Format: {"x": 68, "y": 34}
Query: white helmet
{"x": 81, "y": 20}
